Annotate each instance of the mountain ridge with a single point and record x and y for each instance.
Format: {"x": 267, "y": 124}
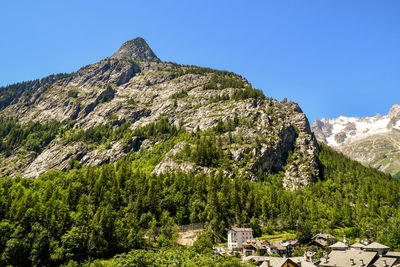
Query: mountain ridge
{"x": 133, "y": 89}
{"x": 374, "y": 141}
{"x": 125, "y": 150}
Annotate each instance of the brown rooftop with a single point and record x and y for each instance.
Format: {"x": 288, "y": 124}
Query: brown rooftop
{"x": 278, "y": 262}
{"x": 324, "y": 236}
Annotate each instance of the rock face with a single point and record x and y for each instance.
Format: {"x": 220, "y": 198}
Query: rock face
{"x": 135, "y": 49}
{"x": 135, "y": 87}
{"x": 374, "y": 141}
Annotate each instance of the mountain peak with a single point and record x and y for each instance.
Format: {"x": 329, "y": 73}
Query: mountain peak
{"x": 135, "y": 49}
{"x": 394, "y": 111}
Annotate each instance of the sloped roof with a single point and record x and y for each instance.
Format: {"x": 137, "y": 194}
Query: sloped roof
{"x": 339, "y": 245}
{"x": 380, "y": 262}
{"x": 256, "y": 258}
{"x": 321, "y": 242}
{"x": 343, "y": 258}
{"x": 357, "y": 245}
{"x": 324, "y": 236}
{"x": 303, "y": 262}
{"x": 236, "y": 229}
{"x": 376, "y": 245}
{"x": 393, "y": 254}
{"x": 256, "y": 243}
{"x": 277, "y": 245}
{"x": 310, "y": 253}
{"x": 276, "y": 262}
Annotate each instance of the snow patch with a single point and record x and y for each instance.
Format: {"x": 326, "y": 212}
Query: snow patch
{"x": 365, "y": 127}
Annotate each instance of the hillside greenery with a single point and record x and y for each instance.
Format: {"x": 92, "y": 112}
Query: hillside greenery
{"x": 97, "y": 212}
{"x": 11, "y": 92}
{"x": 122, "y": 214}
{"x": 31, "y": 136}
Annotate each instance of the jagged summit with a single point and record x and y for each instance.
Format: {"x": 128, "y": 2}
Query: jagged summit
{"x": 374, "y": 141}
{"x": 136, "y": 48}
{"x": 256, "y": 135}
{"x": 336, "y": 131}
{"x": 394, "y": 111}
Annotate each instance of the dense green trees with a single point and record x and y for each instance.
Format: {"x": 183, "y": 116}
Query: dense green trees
{"x": 32, "y": 136}
{"x": 169, "y": 257}
{"x": 181, "y": 94}
{"x": 221, "y": 82}
{"x": 101, "y": 211}
{"x": 248, "y": 92}
{"x": 26, "y": 89}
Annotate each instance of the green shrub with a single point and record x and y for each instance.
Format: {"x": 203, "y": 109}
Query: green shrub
{"x": 219, "y": 82}
{"x": 247, "y": 93}
{"x": 73, "y": 93}
{"x": 181, "y": 94}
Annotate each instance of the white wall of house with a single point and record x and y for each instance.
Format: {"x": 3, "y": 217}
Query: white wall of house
{"x": 236, "y": 238}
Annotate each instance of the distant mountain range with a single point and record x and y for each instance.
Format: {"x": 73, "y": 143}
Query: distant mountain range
{"x": 374, "y": 141}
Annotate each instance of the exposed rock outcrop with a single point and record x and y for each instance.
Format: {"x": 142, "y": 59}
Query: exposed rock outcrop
{"x": 135, "y": 49}
{"x": 374, "y": 141}
{"x": 134, "y": 87}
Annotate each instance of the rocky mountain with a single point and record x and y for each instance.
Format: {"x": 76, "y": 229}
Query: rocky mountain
{"x": 99, "y": 113}
{"x": 374, "y": 141}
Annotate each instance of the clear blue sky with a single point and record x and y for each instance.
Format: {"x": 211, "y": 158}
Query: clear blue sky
{"x": 334, "y": 57}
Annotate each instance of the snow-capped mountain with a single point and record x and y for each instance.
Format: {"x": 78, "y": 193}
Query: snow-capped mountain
{"x": 374, "y": 141}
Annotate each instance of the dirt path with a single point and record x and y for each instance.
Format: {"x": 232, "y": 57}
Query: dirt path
{"x": 187, "y": 238}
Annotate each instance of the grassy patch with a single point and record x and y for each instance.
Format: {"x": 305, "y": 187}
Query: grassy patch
{"x": 277, "y": 236}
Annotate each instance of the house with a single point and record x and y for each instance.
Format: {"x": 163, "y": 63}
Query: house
{"x": 303, "y": 262}
{"x": 279, "y": 262}
{"x": 374, "y": 255}
{"x": 255, "y": 260}
{"x": 289, "y": 247}
{"x": 388, "y": 258}
{"x": 276, "y": 248}
{"x": 356, "y": 258}
{"x": 339, "y": 246}
{"x": 295, "y": 243}
{"x": 385, "y": 262}
{"x": 236, "y": 237}
{"x": 322, "y": 240}
{"x": 381, "y": 249}
{"x": 283, "y": 248}
{"x": 255, "y": 247}
{"x": 357, "y": 246}
{"x": 309, "y": 256}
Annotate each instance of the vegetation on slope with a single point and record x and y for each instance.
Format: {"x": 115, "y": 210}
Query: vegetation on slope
{"x": 32, "y": 136}
{"x": 101, "y": 211}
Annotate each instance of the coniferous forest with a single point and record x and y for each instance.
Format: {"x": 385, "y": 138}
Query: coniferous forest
{"x": 89, "y": 213}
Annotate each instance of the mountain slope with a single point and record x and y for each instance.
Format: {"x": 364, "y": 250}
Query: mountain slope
{"x": 134, "y": 88}
{"x": 130, "y": 146}
{"x": 374, "y": 141}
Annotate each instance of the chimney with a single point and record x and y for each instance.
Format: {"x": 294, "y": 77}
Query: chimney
{"x": 362, "y": 262}
{"x": 267, "y": 263}
{"x": 352, "y": 262}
